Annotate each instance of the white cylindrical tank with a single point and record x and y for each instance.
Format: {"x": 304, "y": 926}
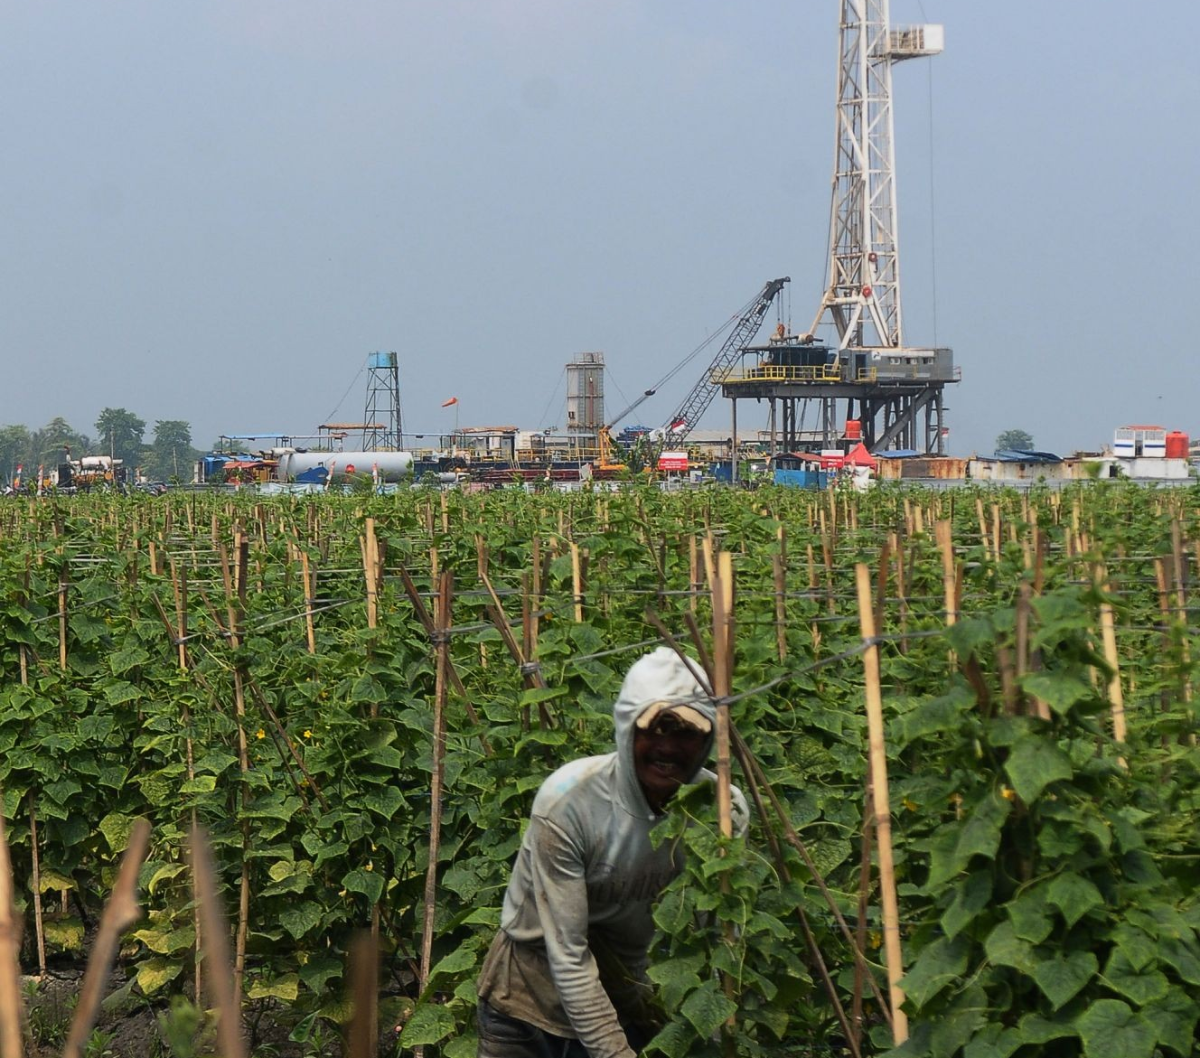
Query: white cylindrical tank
{"x": 344, "y": 466}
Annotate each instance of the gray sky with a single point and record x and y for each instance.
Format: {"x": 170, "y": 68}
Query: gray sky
{"x": 215, "y": 211}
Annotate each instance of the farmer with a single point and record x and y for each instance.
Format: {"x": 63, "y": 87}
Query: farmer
{"x": 565, "y": 976}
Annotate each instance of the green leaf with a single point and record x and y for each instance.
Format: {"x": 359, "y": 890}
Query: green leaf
{"x": 1035, "y": 762}
{"x": 1110, "y": 1029}
{"x": 707, "y": 1008}
{"x": 65, "y": 934}
{"x": 1182, "y": 957}
{"x": 116, "y": 827}
{"x": 368, "y": 689}
{"x": 1074, "y": 896}
{"x": 954, "y": 1028}
{"x": 154, "y": 973}
{"x": 1034, "y": 1028}
{"x": 429, "y": 1023}
{"x": 981, "y": 833}
{"x": 119, "y": 692}
{"x": 384, "y": 801}
{"x": 299, "y": 918}
{"x": 993, "y": 1042}
{"x": 1174, "y": 1020}
{"x": 676, "y": 1040}
{"x": 970, "y": 898}
{"x": 932, "y": 718}
{"x": 164, "y": 874}
{"x": 369, "y": 883}
{"x": 121, "y": 661}
{"x": 463, "y": 958}
{"x": 1141, "y": 986}
{"x": 1134, "y": 944}
{"x": 938, "y": 965}
{"x": 1005, "y": 948}
{"x": 1031, "y": 916}
{"x": 96, "y": 728}
{"x": 285, "y": 987}
{"x": 1062, "y": 977}
{"x": 533, "y": 695}
{"x": 200, "y": 784}
{"x": 1059, "y": 690}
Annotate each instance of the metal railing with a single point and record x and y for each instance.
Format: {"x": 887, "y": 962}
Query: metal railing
{"x": 808, "y": 373}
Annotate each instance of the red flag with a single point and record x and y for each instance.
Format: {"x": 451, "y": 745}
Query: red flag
{"x": 447, "y": 403}
{"x": 678, "y": 424}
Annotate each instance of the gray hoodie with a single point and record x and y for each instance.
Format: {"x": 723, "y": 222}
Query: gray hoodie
{"x": 586, "y": 878}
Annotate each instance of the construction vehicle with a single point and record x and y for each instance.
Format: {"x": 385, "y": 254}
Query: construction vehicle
{"x": 606, "y": 465}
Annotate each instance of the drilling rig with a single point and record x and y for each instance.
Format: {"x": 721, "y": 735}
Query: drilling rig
{"x": 892, "y": 391}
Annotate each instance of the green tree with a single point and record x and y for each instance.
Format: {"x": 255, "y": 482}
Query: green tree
{"x": 52, "y": 442}
{"x": 171, "y": 452}
{"x": 120, "y": 435}
{"x": 1021, "y": 440}
{"x": 14, "y": 449}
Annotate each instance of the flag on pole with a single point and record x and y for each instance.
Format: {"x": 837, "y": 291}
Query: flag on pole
{"x": 447, "y": 403}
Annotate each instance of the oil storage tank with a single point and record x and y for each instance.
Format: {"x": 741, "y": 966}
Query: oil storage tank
{"x": 343, "y": 466}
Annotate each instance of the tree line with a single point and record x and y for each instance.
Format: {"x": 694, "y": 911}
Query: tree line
{"x": 168, "y": 456}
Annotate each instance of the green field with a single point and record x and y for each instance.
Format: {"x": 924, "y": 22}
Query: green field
{"x": 332, "y": 686}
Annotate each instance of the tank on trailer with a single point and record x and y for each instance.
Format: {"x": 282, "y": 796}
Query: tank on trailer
{"x": 344, "y": 466}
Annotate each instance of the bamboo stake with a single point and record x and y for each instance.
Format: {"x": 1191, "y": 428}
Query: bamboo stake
{"x": 179, "y": 635}
{"x": 722, "y": 599}
{"x": 362, "y": 1039}
{"x": 310, "y": 600}
{"x": 1116, "y": 696}
{"x": 722, "y": 686}
{"x": 121, "y": 912}
{"x": 1181, "y": 606}
{"x": 63, "y": 581}
{"x": 225, "y": 986}
{"x": 442, "y": 617}
{"x": 860, "y": 931}
{"x": 371, "y": 572}
{"x": 693, "y": 573}
{"x": 11, "y": 1011}
{"x": 780, "y": 606}
{"x": 577, "y": 581}
{"x": 427, "y": 622}
{"x": 235, "y": 576}
{"x": 36, "y": 868}
{"x": 883, "y": 820}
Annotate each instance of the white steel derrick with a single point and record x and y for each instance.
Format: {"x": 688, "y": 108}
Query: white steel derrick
{"x": 863, "y": 295}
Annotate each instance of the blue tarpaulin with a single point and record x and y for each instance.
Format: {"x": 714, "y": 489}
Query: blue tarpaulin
{"x": 1020, "y": 455}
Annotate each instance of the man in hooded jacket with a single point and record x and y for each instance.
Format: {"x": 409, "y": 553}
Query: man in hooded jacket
{"x": 565, "y": 976}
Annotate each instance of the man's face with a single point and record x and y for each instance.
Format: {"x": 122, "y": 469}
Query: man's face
{"x": 665, "y": 756}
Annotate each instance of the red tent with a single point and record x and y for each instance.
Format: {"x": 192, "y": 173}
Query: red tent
{"x": 858, "y": 456}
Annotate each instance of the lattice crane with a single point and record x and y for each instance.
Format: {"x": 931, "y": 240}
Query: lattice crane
{"x": 696, "y": 403}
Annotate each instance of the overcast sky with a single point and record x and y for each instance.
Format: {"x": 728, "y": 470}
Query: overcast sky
{"x": 216, "y": 211}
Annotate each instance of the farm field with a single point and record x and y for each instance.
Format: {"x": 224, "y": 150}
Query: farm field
{"x": 967, "y": 721}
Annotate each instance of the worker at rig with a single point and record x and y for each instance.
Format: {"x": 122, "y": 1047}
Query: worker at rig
{"x": 565, "y": 976}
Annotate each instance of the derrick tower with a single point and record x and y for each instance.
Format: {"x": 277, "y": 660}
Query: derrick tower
{"x": 381, "y": 418}
{"x": 893, "y": 390}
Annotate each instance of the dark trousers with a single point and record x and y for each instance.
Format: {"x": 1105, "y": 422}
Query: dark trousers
{"x": 503, "y": 1037}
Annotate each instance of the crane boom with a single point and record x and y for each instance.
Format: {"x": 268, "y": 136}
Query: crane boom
{"x": 696, "y": 403}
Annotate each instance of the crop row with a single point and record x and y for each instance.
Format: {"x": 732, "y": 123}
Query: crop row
{"x": 271, "y": 671}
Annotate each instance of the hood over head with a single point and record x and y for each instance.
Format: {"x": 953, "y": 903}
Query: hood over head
{"x": 658, "y": 681}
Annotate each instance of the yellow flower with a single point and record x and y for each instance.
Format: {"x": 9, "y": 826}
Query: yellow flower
{"x": 1007, "y": 793}
{"x": 910, "y": 804}
{"x": 875, "y": 938}
{"x": 307, "y": 733}
{"x": 370, "y": 867}
{"x": 261, "y": 733}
